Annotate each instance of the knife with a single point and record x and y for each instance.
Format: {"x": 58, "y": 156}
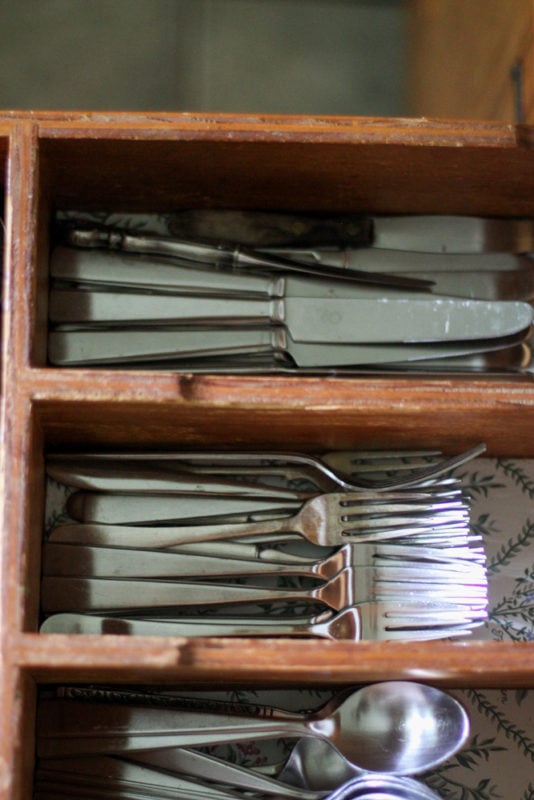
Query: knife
{"x": 74, "y": 348}
{"x": 417, "y": 232}
{"x": 407, "y": 261}
{"x": 226, "y": 256}
{"x": 373, "y": 317}
{"x": 453, "y": 234}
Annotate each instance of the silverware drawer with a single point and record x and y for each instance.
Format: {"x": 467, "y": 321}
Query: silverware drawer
{"x": 159, "y": 163}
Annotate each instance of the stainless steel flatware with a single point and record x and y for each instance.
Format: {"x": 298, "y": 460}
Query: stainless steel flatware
{"x": 225, "y": 255}
{"x": 323, "y": 519}
{"x": 128, "y": 477}
{"x": 453, "y": 234}
{"x": 136, "y": 508}
{"x": 269, "y": 460}
{"x": 449, "y": 533}
{"x": 68, "y": 727}
{"x": 376, "y": 318}
{"x": 110, "y": 347}
{"x": 417, "y": 232}
{"x": 61, "y": 558}
{"x": 204, "y": 766}
{"x": 461, "y": 602}
{"x": 114, "y": 778}
{"x": 410, "y": 261}
{"x": 382, "y": 620}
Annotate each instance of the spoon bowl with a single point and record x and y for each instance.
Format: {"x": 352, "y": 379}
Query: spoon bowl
{"x": 398, "y": 727}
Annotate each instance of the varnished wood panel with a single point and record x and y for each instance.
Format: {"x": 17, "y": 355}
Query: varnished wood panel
{"x": 462, "y": 53}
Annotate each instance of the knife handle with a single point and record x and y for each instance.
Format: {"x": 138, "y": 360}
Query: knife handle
{"x": 93, "y": 307}
{"x": 69, "y": 348}
{"x": 110, "y": 268}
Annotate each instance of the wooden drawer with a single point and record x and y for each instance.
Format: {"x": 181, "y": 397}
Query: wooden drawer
{"x": 158, "y": 163}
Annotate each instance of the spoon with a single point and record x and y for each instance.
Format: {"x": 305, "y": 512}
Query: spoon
{"x": 382, "y": 787}
{"x": 398, "y": 727}
{"x": 314, "y": 765}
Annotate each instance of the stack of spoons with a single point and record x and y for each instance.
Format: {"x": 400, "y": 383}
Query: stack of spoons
{"x": 260, "y": 544}
{"x": 123, "y": 742}
{"x": 415, "y": 292}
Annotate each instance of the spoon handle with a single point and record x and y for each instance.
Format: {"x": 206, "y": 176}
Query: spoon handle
{"x": 68, "y": 728}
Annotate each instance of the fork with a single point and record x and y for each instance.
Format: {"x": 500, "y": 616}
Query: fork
{"x": 63, "y": 559}
{"x": 337, "y": 480}
{"x": 347, "y": 588}
{"x": 340, "y": 480}
{"x": 325, "y": 520}
{"x": 372, "y": 620}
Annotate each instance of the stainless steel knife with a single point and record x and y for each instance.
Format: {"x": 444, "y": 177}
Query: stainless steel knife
{"x": 399, "y": 317}
{"x": 75, "y": 348}
{"x": 227, "y": 256}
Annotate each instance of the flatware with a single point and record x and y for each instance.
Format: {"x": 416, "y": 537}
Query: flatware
{"x": 382, "y": 787}
{"x": 225, "y": 256}
{"x": 93, "y": 346}
{"x": 359, "y": 726}
{"x": 272, "y": 459}
{"x": 453, "y": 234}
{"x": 462, "y": 602}
{"x": 271, "y": 228}
{"x": 201, "y": 766}
{"x": 469, "y": 550}
{"x": 376, "y": 318}
{"x": 492, "y": 285}
{"x": 416, "y": 232}
{"x": 381, "y": 620}
{"x": 409, "y": 261}
{"x": 124, "y": 508}
{"x": 111, "y": 476}
{"x": 60, "y": 558}
{"x": 323, "y": 519}
{"x": 114, "y": 777}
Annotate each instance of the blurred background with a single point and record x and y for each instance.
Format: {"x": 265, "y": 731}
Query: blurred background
{"x": 279, "y": 56}
{"x": 449, "y": 58}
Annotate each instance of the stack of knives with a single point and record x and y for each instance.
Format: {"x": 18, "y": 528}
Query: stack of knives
{"x": 242, "y": 291}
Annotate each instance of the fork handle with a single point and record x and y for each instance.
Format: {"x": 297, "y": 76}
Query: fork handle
{"x": 75, "y": 623}
{"x": 101, "y": 594}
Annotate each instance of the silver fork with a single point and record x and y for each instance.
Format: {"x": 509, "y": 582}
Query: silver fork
{"x": 354, "y": 463}
{"x": 64, "y": 559}
{"x": 328, "y": 520}
{"x": 341, "y": 481}
{"x": 379, "y": 620}
{"x": 269, "y": 459}
{"x": 348, "y": 588}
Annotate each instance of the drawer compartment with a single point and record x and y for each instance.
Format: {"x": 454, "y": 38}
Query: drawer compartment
{"x": 163, "y": 163}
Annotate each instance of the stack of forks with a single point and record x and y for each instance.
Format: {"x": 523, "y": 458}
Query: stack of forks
{"x": 403, "y": 293}
{"x": 264, "y": 544}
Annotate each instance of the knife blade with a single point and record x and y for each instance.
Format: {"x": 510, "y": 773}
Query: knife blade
{"x": 453, "y": 234}
{"x": 408, "y": 261}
